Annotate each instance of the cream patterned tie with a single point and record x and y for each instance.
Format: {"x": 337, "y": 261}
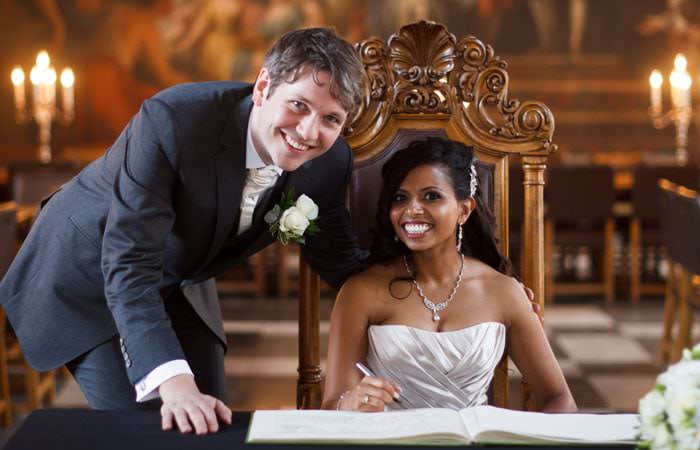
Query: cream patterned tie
{"x": 256, "y": 182}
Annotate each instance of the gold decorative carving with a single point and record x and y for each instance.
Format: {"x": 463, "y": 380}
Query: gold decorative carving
{"x": 375, "y": 109}
{"x": 423, "y": 69}
{"x": 421, "y": 56}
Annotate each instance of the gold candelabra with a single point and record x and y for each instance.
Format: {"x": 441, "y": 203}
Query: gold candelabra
{"x": 43, "y": 95}
{"x": 681, "y": 110}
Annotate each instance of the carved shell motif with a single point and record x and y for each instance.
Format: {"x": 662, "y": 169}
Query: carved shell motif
{"x": 424, "y": 69}
{"x": 421, "y": 56}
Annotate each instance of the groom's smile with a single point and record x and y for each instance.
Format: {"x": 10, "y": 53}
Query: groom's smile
{"x": 295, "y": 121}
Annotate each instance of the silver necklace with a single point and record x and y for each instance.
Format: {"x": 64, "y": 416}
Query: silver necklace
{"x": 426, "y": 301}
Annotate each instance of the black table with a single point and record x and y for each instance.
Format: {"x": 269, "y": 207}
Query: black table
{"x": 119, "y": 430}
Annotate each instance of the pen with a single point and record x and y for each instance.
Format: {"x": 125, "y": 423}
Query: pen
{"x": 368, "y": 373}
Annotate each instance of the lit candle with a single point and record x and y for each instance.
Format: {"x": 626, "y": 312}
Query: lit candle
{"x": 42, "y": 60}
{"x": 18, "y": 83}
{"x": 35, "y": 78}
{"x": 656, "y": 80}
{"x": 67, "y": 94}
{"x": 50, "y": 86}
{"x": 680, "y": 83}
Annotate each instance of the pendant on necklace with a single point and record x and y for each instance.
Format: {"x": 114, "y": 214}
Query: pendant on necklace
{"x": 436, "y": 317}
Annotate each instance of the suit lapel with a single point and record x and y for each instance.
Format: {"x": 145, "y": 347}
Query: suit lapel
{"x": 230, "y": 175}
{"x": 258, "y": 230}
{"x": 257, "y": 236}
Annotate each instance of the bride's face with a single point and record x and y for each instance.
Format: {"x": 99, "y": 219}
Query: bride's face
{"x": 425, "y": 211}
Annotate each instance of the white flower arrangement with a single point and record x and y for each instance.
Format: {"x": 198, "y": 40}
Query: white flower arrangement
{"x": 292, "y": 221}
{"x": 669, "y": 415}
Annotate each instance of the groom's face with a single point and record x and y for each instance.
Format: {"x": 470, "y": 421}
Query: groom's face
{"x": 297, "y": 121}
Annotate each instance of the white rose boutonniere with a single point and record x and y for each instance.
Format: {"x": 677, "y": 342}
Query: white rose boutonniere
{"x": 292, "y": 221}
{"x": 669, "y": 415}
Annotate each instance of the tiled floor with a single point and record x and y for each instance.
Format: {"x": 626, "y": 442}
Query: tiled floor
{"x": 609, "y": 355}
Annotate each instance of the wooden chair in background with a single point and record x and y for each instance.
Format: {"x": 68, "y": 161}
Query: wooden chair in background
{"x": 31, "y": 182}
{"x": 8, "y": 248}
{"x": 645, "y": 223}
{"x": 424, "y": 82}
{"x": 580, "y": 213}
{"x": 667, "y": 208}
{"x": 681, "y": 207}
{"x": 247, "y": 278}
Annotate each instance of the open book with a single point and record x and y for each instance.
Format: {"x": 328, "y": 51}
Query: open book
{"x": 481, "y": 424}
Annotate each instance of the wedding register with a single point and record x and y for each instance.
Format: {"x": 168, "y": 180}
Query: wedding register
{"x": 435, "y": 426}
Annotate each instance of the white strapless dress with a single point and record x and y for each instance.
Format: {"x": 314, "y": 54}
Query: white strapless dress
{"x": 450, "y": 369}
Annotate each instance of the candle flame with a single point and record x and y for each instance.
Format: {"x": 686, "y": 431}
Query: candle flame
{"x": 681, "y": 80}
{"x": 50, "y": 76}
{"x": 17, "y": 76}
{"x": 67, "y": 77}
{"x": 35, "y": 76}
{"x": 656, "y": 79}
{"x": 680, "y": 63}
{"x": 42, "y": 60}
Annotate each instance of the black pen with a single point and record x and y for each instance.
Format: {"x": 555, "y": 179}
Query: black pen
{"x": 368, "y": 373}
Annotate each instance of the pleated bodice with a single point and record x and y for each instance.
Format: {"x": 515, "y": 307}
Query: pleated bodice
{"x": 450, "y": 369}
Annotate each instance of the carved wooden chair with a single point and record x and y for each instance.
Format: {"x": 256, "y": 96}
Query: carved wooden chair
{"x": 644, "y": 226}
{"x": 425, "y": 82}
{"x": 8, "y": 248}
{"x": 580, "y": 217}
{"x": 681, "y": 221}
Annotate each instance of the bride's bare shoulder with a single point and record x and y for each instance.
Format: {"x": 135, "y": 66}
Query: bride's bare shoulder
{"x": 372, "y": 282}
{"x": 500, "y": 289}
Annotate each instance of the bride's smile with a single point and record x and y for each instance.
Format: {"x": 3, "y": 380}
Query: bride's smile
{"x": 425, "y": 210}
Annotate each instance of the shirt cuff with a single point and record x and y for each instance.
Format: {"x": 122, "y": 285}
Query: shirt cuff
{"x": 147, "y": 387}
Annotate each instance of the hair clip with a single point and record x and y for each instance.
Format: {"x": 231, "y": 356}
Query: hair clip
{"x": 473, "y": 180}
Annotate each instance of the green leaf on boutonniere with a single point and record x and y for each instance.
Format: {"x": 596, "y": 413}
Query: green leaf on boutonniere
{"x": 312, "y": 229}
{"x": 273, "y": 215}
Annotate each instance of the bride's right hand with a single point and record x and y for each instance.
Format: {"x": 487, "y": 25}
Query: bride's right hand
{"x": 371, "y": 394}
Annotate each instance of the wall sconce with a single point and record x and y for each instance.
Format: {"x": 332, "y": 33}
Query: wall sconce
{"x": 43, "y": 95}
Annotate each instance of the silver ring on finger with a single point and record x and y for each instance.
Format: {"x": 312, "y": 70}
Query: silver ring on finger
{"x": 365, "y": 399}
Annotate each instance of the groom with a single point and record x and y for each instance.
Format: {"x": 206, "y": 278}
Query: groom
{"x": 116, "y": 278}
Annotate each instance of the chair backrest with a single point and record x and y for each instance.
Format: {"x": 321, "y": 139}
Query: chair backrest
{"x": 516, "y": 214}
{"x": 30, "y": 183}
{"x": 580, "y": 192}
{"x": 680, "y": 222}
{"x": 8, "y": 235}
{"x": 366, "y": 182}
{"x": 645, "y": 192}
{"x": 424, "y": 82}
{"x": 667, "y": 194}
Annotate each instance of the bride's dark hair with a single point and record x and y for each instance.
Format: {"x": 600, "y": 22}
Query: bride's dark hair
{"x": 479, "y": 239}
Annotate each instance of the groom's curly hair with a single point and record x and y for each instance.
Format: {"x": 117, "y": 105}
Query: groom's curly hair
{"x": 318, "y": 49}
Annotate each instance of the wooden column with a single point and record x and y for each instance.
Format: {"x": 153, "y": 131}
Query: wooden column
{"x": 533, "y": 266}
{"x": 309, "y": 393}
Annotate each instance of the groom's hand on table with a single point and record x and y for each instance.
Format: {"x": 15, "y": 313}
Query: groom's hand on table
{"x": 189, "y": 409}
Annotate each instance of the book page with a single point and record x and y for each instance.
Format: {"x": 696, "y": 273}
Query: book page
{"x": 350, "y": 426}
{"x": 490, "y": 424}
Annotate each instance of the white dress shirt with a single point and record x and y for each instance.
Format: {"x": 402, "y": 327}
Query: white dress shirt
{"x": 256, "y": 183}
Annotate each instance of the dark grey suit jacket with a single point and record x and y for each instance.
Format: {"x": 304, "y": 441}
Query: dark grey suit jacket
{"x": 159, "y": 212}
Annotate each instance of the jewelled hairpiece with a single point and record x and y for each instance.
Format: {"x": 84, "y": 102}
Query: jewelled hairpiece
{"x": 473, "y": 181}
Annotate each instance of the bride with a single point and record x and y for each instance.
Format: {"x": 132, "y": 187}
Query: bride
{"x": 436, "y": 308}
